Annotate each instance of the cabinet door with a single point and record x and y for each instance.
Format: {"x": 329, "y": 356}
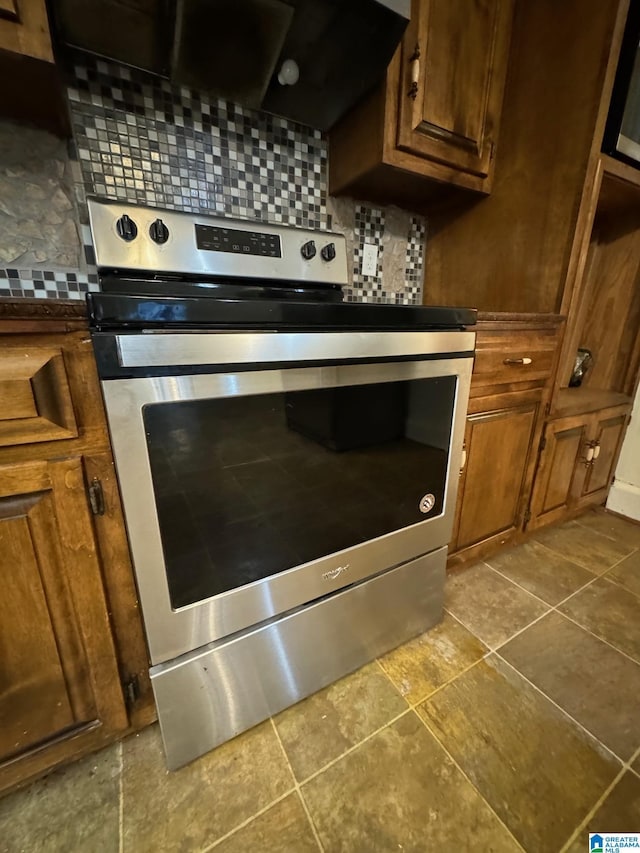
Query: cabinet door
{"x": 498, "y": 445}
{"x": 454, "y": 60}
{"x": 561, "y": 470}
{"x": 58, "y": 669}
{"x": 607, "y": 437}
{"x": 24, "y": 28}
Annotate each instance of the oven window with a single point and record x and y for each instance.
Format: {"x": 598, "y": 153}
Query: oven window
{"x": 247, "y": 487}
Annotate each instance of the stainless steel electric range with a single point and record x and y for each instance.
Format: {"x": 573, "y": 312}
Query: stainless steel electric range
{"x": 288, "y": 462}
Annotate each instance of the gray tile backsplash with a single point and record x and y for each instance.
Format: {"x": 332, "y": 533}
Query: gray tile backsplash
{"x": 139, "y": 139}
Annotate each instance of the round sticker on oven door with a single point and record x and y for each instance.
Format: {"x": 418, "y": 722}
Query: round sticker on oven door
{"x": 427, "y": 503}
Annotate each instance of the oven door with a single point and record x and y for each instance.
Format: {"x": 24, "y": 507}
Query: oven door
{"x": 275, "y": 469}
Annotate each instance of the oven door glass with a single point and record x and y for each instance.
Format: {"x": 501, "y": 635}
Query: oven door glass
{"x": 249, "y": 486}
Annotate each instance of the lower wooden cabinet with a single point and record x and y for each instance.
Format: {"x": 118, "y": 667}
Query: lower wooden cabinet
{"x": 59, "y": 672}
{"x": 577, "y": 462}
{"x": 500, "y": 445}
{"x": 510, "y": 388}
{"x": 73, "y": 661}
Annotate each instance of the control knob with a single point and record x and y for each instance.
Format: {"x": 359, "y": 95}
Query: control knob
{"x": 328, "y": 252}
{"x": 127, "y": 228}
{"x": 308, "y": 250}
{"x": 158, "y": 231}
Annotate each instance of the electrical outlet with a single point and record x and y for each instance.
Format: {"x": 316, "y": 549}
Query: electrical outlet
{"x": 370, "y": 259}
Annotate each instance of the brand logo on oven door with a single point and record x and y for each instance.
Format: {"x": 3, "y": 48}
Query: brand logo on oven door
{"x": 427, "y": 503}
{"x": 334, "y": 573}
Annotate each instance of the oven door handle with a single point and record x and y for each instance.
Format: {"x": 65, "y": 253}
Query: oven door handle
{"x": 164, "y": 349}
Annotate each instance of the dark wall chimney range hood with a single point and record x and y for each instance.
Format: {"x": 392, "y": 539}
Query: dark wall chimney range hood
{"x": 306, "y": 60}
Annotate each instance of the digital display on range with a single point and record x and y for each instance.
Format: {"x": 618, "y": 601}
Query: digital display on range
{"x": 214, "y": 239}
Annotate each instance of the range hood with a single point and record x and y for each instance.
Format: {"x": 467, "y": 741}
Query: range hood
{"x": 307, "y": 60}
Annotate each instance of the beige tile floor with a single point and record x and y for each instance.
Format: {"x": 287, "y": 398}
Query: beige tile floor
{"x": 513, "y": 725}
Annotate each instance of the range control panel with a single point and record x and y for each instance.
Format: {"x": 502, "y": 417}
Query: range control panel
{"x": 216, "y": 239}
{"x": 147, "y": 239}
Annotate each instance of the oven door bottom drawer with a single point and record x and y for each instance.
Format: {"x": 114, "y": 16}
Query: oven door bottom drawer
{"x": 208, "y": 696}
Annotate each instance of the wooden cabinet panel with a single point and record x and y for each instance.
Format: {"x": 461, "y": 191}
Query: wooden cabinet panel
{"x": 31, "y": 666}
{"x": 35, "y": 397}
{"x": 24, "y": 28}
{"x": 58, "y": 667}
{"x": 508, "y": 357}
{"x": 498, "y": 445}
{"x": 563, "y": 454}
{"x": 607, "y": 437}
{"x": 433, "y": 122}
{"x": 576, "y": 463}
{"x": 561, "y": 469}
{"x": 9, "y": 10}
{"x": 460, "y": 49}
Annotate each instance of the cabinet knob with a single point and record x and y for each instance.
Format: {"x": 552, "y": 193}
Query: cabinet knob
{"x": 596, "y": 450}
{"x": 525, "y": 360}
{"x": 463, "y": 459}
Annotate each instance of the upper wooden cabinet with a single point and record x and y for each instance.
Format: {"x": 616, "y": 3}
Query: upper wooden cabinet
{"x": 434, "y": 121}
{"x": 24, "y": 28}
{"x": 31, "y": 89}
{"x": 453, "y": 57}
{"x": 522, "y": 248}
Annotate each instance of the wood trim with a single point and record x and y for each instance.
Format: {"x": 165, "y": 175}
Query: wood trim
{"x": 124, "y": 606}
{"x": 23, "y": 315}
{"x": 29, "y": 35}
{"x": 9, "y": 10}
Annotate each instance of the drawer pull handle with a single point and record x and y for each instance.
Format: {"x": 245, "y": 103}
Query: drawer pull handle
{"x": 463, "y": 459}
{"x": 524, "y": 360}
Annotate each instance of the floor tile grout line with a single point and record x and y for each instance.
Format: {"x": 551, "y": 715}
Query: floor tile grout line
{"x": 561, "y": 709}
{"x": 511, "y": 636}
{"x": 528, "y": 591}
{"x": 601, "y": 574}
{"x": 299, "y": 792}
{"x": 551, "y": 606}
{"x": 246, "y": 822}
{"x": 555, "y": 608}
{"x": 592, "y": 812}
{"x": 559, "y": 554}
{"x": 578, "y": 520}
{"x": 515, "y": 583}
{"x": 469, "y": 780}
{"x": 619, "y": 584}
{"x": 598, "y": 637}
{"x": 414, "y": 705}
{"x": 353, "y": 748}
{"x": 121, "y": 800}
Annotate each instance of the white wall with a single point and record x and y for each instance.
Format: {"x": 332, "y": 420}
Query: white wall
{"x": 624, "y": 496}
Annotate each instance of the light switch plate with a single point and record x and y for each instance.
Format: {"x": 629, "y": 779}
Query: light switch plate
{"x": 370, "y": 259}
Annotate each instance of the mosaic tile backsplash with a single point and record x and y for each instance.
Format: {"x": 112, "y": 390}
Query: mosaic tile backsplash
{"x": 139, "y": 139}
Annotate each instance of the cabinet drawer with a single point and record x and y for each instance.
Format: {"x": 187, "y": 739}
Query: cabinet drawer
{"x": 505, "y": 358}
{"x": 35, "y": 400}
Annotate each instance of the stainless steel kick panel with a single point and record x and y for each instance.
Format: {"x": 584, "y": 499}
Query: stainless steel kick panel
{"x": 181, "y": 350}
{"x": 236, "y": 683}
{"x": 173, "y": 632}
